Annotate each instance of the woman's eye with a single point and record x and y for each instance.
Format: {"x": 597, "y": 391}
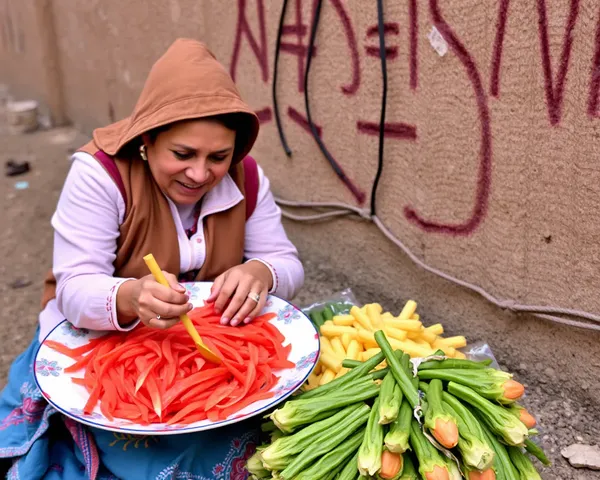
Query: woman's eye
{"x": 219, "y": 158}
{"x": 182, "y": 156}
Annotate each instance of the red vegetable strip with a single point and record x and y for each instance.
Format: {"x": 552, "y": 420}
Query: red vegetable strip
{"x": 73, "y": 352}
{"x": 168, "y": 371}
{"x": 192, "y": 407}
{"x": 281, "y": 364}
{"x": 227, "y": 412}
{"x": 220, "y": 393}
{"x": 144, "y": 374}
{"x": 154, "y": 393}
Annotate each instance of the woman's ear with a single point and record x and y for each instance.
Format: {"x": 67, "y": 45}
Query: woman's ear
{"x": 146, "y": 139}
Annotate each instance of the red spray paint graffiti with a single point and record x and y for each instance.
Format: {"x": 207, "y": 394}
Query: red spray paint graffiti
{"x": 414, "y": 42}
{"x": 554, "y": 83}
{"x": 374, "y": 51}
{"x": 498, "y": 43}
{"x": 485, "y": 160}
{"x": 595, "y": 81}
{"x": 554, "y": 93}
{"x": 243, "y": 30}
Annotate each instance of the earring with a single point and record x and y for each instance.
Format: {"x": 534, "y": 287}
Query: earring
{"x": 143, "y": 153}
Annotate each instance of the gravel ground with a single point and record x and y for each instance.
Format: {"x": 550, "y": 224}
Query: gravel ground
{"x": 565, "y": 417}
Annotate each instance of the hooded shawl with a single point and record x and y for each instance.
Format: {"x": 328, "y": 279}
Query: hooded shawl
{"x": 187, "y": 82}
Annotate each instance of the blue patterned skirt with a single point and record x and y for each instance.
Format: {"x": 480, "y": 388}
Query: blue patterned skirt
{"x": 41, "y": 443}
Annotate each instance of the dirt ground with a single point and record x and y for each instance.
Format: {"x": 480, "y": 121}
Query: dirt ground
{"x": 565, "y": 416}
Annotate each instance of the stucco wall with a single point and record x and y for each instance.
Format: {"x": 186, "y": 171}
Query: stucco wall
{"x": 491, "y": 170}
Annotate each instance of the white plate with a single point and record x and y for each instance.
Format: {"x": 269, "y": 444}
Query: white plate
{"x": 68, "y": 398}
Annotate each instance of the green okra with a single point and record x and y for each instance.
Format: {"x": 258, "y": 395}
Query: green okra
{"x": 302, "y": 411}
{"x": 523, "y": 464}
{"x": 327, "y": 313}
{"x": 350, "y": 470}
{"x": 279, "y": 454}
{"x": 348, "y": 435}
{"x": 454, "y": 363}
{"x": 400, "y": 374}
{"x": 390, "y": 398}
{"x": 537, "y": 452}
{"x": 352, "y": 376}
{"x": 369, "y": 453}
{"x": 499, "y": 419}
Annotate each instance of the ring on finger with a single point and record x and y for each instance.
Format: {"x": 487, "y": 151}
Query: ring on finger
{"x": 158, "y": 317}
{"x": 254, "y": 296}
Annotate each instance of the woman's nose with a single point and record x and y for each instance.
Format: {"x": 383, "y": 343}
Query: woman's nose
{"x": 198, "y": 173}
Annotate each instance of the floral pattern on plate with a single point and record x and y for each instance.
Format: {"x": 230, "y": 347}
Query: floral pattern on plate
{"x": 68, "y": 398}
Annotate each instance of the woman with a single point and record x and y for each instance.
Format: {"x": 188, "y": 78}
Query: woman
{"x": 174, "y": 180}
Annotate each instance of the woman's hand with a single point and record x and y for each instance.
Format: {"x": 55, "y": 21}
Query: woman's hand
{"x": 232, "y": 292}
{"x": 155, "y": 305}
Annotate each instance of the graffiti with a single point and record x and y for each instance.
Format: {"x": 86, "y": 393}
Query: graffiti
{"x": 390, "y": 52}
{"x": 414, "y": 42}
{"x": 243, "y": 30}
{"x": 485, "y": 160}
{"x": 12, "y": 36}
{"x": 390, "y": 129}
{"x": 299, "y": 49}
{"x": 554, "y": 93}
{"x": 555, "y": 74}
{"x": 264, "y": 114}
{"x": 595, "y": 81}
{"x": 498, "y": 43}
{"x": 301, "y": 120}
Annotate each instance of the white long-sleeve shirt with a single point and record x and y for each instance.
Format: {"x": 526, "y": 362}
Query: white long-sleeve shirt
{"x": 86, "y": 227}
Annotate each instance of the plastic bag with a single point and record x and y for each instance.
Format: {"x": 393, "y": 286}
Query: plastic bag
{"x": 339, "y": 303}
{"x": 482, "y": 351}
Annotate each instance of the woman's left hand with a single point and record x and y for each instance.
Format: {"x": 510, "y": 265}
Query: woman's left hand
{"x": 233, "y": 292}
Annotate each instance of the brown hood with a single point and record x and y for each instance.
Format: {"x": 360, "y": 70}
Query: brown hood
{"x": 186, "y": 82}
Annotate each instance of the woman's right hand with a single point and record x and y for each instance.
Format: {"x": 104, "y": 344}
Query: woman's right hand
{"x": 155, "y": 305}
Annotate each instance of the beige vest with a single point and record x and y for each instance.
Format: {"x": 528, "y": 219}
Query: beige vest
{"x": 148, "y": 227}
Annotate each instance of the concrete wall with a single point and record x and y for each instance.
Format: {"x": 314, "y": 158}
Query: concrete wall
{"x": 491, "y": 160}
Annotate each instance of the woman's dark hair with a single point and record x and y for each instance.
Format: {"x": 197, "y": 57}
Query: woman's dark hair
{"x": 240, "y": 123}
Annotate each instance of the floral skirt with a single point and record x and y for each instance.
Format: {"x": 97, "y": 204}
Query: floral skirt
{"x": 41, "y": 443}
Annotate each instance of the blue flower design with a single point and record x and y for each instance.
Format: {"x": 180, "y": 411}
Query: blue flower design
{"x": 306, "y": 361}
{"x": 79, "y": 412}
{"x": 287, "y": 386}
{"x": 288, "y": 313}
{"x": 73, "y": 331}
{"x": 192, "y": 290}
{"x": 47, "y": 368}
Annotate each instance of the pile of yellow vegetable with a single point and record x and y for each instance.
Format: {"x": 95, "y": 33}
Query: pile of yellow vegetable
{"x": 351, "y": 336}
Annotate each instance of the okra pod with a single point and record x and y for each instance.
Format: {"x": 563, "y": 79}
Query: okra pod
{"x": 350, "y": 470}
{"x": 390, "y": 398}
{"x": 400, "y": 374}
{"x": 454, "y": 363}
{"x": 317, "y": 318}
{"x": 497, "y": 418}
{"x": 503, "y": 466}
{"x": 369, "y": 453}
{"x": 537, "y": 452}
{"x": 350, "y": 377}
{"x": 345, "y": 441}
{"x": 279, "y": 453}
{"x": 396, "y": 440}
{"x": 301, "y": 411}
{"x": 327, "y": 313}
{"x": 523, "y": 464}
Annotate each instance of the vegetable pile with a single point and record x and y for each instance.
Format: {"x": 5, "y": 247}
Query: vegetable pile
{"x": 438, "y": 418}
{"x": 348, "y": 332}
{"x": 158, "y": 376}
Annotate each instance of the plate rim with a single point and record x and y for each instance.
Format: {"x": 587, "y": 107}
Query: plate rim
{"x": 174, "y": 430}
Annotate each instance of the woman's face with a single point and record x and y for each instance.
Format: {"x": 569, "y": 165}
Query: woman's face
{"x": 190, "y": 158}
